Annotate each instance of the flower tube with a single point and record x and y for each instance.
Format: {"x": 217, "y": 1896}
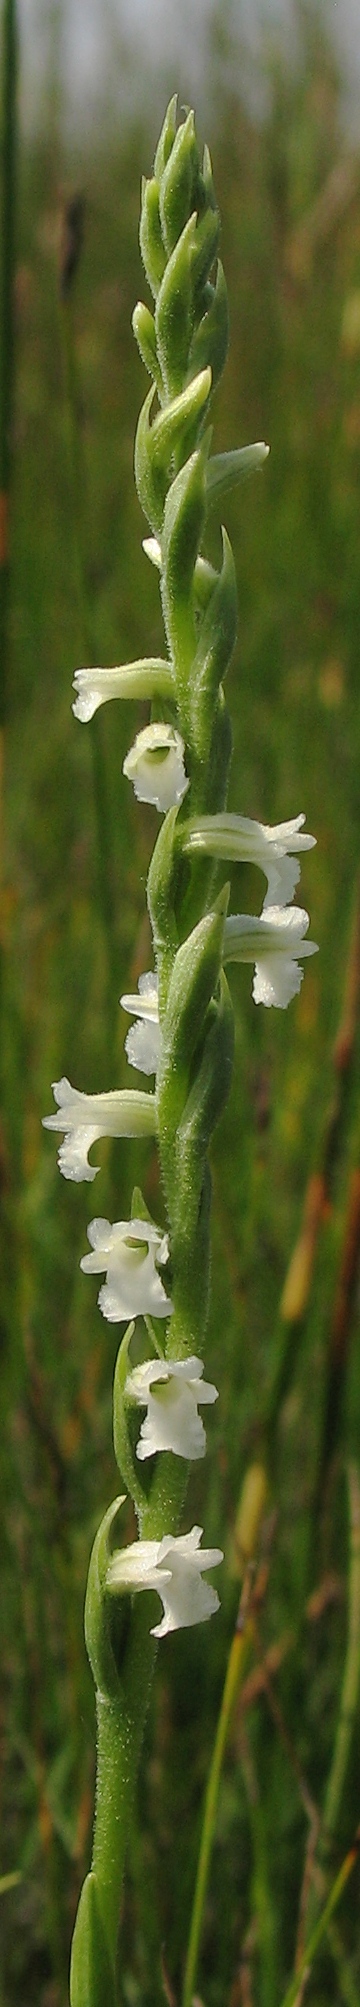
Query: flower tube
{"x": 86, "y": 1117}
{"x": 237, "y": 839}
{"x": 145, "y": 678}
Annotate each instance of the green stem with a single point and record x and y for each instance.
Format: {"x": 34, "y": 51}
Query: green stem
{"x": 120, "y": 1730}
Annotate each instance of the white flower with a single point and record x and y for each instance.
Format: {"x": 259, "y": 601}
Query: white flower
{"x": 174, "y": 1566}
{"x": 171, "y": 1390}
{"x": 155, "y": 765}
{"x": 127, "y": 1250}
{"x": 152, "y": 550}
{"x": 85, "y": 1117}
{"x": 145, "y": 678}
{"x": 143, "y": 1041}
{"x": 237, "y": 838}
{"x": 274, "y": 942}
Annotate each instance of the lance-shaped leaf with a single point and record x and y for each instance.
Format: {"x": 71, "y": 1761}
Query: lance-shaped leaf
{"x": 104, "y": 1639}
{"x": 225, "y": 470}
{"x": 183, "y": 524}
{"x": 165, "y": 873}
{"x": 91, "y": 1972}
{"x": 151, "y": 244}
{"x": 204, "y": 250}
{"x": 210, "y": 340}
{"x": 174, "y": 313}
{"x": 125, "y": 1426}
{"x": 178, "y": 183}
{"x": 166, "y": 139}
{"x": 214, "y": 649}
{"x": 194, "y": 977}
{"x": 154, "y": 444}
{"x": 204, "y": 1106}
{"x": 143, "y": 325}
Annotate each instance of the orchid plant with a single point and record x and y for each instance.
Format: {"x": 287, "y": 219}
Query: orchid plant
{"x": 182, "y": 1034}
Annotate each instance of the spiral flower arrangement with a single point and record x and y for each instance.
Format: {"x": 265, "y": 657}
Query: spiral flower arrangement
{"x": 182, "y": 1020}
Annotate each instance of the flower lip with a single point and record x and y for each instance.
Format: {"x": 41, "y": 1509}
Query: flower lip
{"x": 155, "y": 765}
{"x": 174, "y": 1566}
{"x": 172, "y": 1391}
{"x": 127, "y": 1250}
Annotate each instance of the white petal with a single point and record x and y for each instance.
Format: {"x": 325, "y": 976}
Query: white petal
{"x": 171, "y": 1390}
{"x": 86, "y": 1117}
{"x": 276, "y": 981}
{"x": 274, "y": 942}
{"x": 237, "y": 837}
{"x": 155, "y": 765}
{"x": 174, "y": 1566}
{"x": 133, "y": 1287}
{"x": 73, "y": 1155}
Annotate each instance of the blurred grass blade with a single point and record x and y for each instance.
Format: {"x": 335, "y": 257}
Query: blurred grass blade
{"x": 251, "y": 1510}
{"x": 294, "y": 1991}
{"x": 7, "y": 254}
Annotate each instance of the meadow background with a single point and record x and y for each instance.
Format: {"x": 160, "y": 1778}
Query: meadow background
{"x": 284, "y": 1337}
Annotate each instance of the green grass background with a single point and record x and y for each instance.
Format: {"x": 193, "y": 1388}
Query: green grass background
{"x": 292, "y": 377}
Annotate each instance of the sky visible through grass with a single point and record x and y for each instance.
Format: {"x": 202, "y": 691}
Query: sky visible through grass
{"x": 286, "y": 1166}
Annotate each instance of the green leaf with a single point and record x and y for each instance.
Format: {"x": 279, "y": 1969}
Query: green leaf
{"x": 105, "y": 1620}
{"x": 150, "y": 238}
{"x": 145, "y": 334}
{"x": 92, "y": 1979}
{"x": 123, "y": 1414}
{"x": 214, "y": 650}
{"x": 210, "y": 340}
{"x": 167, "y": 136}
{"x": 177, "y": 183}
{"x": 225, "y": 470}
